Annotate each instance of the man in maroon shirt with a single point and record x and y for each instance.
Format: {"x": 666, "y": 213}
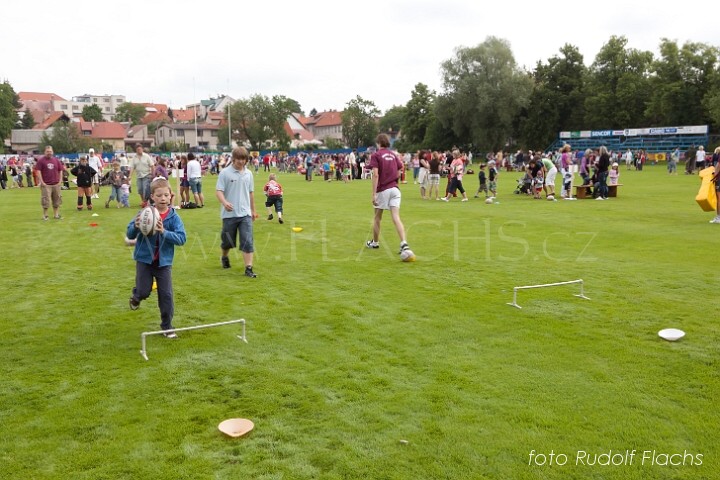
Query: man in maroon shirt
{"x": 386, "y": 169}
{"x": 49, "y": 174}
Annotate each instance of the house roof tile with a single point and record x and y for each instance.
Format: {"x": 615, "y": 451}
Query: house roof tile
{"x": 38, "y": 96}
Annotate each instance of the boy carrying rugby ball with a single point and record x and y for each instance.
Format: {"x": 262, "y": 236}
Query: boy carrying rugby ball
{"x": 153, "y": 254}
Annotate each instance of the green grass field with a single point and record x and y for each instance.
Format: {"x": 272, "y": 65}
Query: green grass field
{"x": 360, "y": 366}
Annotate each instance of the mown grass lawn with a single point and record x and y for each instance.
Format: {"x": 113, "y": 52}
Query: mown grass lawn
{"x": 360, "y": 366}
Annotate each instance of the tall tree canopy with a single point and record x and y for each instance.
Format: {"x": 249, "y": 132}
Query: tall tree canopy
{"x": 93, "y": 112}
{"x": 64, "y": 137}
{"x": 258, "y": 119}
{"x": 484, "y": 91}
{"x": 359, "y": 122}
{"x": 557, "y": 99}
{"x": 419, "y": 115}
{"x": 682, "y": 79}
{"x": 9, "y": 103}
{"x": 130, "y": 112}
{"x": 393, "y": 119}
{"x": 618, "y": 86}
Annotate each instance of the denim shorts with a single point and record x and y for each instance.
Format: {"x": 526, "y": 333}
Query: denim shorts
{"x": 234, "y": 227}
{"x": 196, "y": 185}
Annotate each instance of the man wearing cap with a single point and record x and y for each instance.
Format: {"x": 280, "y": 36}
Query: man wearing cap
{"x": 143, "y": 167}
{"x": 95, "y": 162}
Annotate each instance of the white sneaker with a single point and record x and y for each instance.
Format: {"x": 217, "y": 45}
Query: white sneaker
{"x": 444, "y": 199}
{"x": 599, "y": 198}
{"x": 715, "y": 220}
{"x": 464, "y": 200}
{"x": 372, "y": 244}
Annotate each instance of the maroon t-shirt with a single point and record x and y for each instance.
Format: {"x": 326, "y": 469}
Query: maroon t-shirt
{"x": 388, "y": 165}
{"x": 50, "y": 169}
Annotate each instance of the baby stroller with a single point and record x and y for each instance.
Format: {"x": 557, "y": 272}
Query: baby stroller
{"x": 524, "y": 185}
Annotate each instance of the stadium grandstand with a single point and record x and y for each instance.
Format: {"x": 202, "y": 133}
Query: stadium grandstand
{"x": 652, "y": 140}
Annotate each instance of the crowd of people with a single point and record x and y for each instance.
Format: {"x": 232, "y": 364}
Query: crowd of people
{"x": 234, "y": 190}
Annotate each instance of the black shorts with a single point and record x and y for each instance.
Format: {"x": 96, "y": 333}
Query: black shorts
{"x": 276, "y": 200}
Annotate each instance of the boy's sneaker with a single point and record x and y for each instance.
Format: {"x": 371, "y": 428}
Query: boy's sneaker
{"x": 444, "y": 199}
{"x": 404, "y": 246}
{"x": 715, "y": 220}
{"x": 372, "y": 244}
{"x": 134, "y": 304}
{"x": 280, "y": 220}
{"x": 270, "y": 217}
{"x": 225, "y": 262}
{"x": 249, "y": 272}
{"x": 170, "y": 335}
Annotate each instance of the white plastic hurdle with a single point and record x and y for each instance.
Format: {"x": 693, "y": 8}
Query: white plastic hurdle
{"x": 515, "y": 290}
{"x": 143, "y": 335}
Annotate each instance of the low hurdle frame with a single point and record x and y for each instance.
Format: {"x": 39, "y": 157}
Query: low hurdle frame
{"x": 515, "y": 290}
{"x": 143, "y": 335}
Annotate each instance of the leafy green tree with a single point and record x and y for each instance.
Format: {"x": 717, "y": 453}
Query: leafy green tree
{"x": 28, "y": 121}
{"x": 332, "y": 143}
{"x": 359, "y": 122}
{"x": 92, "y": 113}
{"x": 711, "y": 102}
{"x": 293, "y": 105}
{"x": 9, "y": 104}
{"x": 618, "y": 86}
{"x": 259, "y": 119}
{"x": 557, "y": 99}
{"x": 393, "y": 119}
{"x": 439, "y": 136}
{"x": 130, "y": 112}
{"x": 682, "y": 78}
{"x": 64, "y": 137}
{"x": 484, "y": 91}
{"x": 419, "y": 115}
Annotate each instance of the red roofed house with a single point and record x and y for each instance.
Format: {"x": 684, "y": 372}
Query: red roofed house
{"x": 38, "y": 101}
{"x": 184, "y": 133}
{"x": 324, "y": 125}
{"x": 297, "y": 132}
{"x": 112, "y": 133}
{"x": 184, "y": 116}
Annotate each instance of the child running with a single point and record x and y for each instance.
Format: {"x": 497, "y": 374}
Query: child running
{"x": 154, "y": 255}
{"x": 274, "y": 192}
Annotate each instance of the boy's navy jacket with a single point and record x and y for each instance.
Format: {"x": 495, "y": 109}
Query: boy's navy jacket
{"x": 145, "y": 246}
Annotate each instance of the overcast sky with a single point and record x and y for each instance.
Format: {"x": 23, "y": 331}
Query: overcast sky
{"x": 321, "y": 53}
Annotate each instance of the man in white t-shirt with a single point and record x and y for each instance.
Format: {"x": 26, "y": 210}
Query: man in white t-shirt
{"x": 700, "y": 158}
{"x": 194, "y": 175}
{"x": 95, "y": 162}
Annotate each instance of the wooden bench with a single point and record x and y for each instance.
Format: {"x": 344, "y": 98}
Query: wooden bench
{"x": 581, "y": 191}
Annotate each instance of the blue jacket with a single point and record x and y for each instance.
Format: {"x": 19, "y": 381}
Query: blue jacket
{"x": 145, "y": 246}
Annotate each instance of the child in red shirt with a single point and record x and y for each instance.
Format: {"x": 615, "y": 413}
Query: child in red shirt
{"x": 274, "y": 193}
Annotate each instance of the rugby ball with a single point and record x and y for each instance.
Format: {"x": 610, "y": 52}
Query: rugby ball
{"x": 489, "y": 200}
{"x": 551, "y": 197}
{"x": 407, "y": 255}
{"x": 147, "y": 219}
